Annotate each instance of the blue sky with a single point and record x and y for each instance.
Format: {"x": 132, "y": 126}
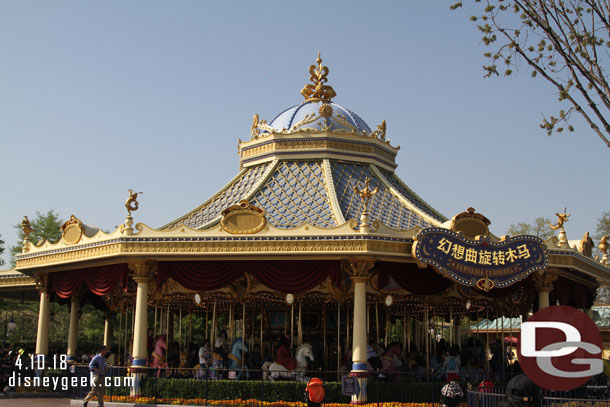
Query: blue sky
{"x": 99, "y": 97}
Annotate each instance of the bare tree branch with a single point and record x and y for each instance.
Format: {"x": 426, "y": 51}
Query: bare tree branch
{"x": 560, "y": 40}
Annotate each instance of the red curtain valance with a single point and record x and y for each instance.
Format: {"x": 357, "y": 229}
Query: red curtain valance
{"x": 412, "y": 278}
{"x": 100, "y": 280}
{"x": 288, "y": 276}
{"x": 572, "y": 293}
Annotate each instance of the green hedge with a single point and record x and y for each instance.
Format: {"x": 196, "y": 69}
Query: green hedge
{"x": 283, "y": 390}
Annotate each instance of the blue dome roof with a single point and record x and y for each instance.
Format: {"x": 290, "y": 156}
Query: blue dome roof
{"x": 293, "y": 115}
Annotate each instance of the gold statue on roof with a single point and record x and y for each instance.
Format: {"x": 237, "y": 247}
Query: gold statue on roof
{"x": 317, "y": 90}
{"x": 561, "y": 219}
{"x": 26, "y": 227}
{"x": 132, "y": 204}
{"x": 254, "y": 130}
{"x": 603, "y": 244}
{"x": 586, "y": 245}
{"x": 366, "y": 193}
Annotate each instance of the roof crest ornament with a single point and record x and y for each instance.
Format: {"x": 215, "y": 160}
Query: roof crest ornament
{"x": 317, "y": 90}
{"x": 254, "y": 130}
{"x": 131, "y": 204}
{"x": 381, "y": 132}
{"x": 561, "y": 219}
{"x": 365, "y": 194}
{"x": 27, "y": 229}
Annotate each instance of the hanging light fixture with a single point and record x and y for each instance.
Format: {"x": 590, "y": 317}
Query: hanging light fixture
{"x": 468, "y": 305}
{"x": 389, "y": 300}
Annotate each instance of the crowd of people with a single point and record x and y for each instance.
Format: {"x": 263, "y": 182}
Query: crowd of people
{"x": 207, "y": 361}
{"x": 472, "y": 362}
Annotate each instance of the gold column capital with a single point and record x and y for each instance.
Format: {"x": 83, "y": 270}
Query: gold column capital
{"x": 42, "y": 282}
{"x": 359, "y": 269}
{"x": 143, "y": 270}
{"x": 544, "y": 280}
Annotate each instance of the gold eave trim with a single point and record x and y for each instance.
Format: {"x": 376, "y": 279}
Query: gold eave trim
{"x": 307, "y": 146}
{"x": 320, "y": 154}
{"x": 18, "y": 282}
{"x": 215, "y": 248}
{"x": 569, "y": 259}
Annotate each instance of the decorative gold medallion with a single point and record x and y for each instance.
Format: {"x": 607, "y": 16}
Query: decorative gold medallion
{"x": 72, "y": 230}
{"x": 243, "y": 218}
{"x": 485, "y": 284}
{"x": 326, "y": 110}
{"x": 470, "y": 224}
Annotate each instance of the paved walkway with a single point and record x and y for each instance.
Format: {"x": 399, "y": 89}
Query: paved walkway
{"x": 43, "y": 402}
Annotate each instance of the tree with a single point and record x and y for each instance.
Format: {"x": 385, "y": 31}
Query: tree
{"x": 45, "y": 226}
{"x": 563, "y": 41}
{"x": 603, "y": 228}
{"x": 1, "y": 251}
{"x": 539, "y": 227}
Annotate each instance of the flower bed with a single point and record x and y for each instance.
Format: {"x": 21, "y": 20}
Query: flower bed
{"x": 282, "y": 391}
{"x": 248, "y": 403}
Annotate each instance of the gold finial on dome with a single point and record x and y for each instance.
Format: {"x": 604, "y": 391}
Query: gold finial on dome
{"x": 317, "y": 91}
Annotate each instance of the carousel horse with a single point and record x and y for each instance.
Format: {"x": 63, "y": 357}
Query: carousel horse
{"x": 275, "y": 370}
{"x": 183, "y": 367}
{"x": 235, "y": 357}
{"x": 158, "y": 359}
{"x": 392, "y": 354}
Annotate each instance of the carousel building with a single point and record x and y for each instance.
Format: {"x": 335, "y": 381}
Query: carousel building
{"x": 316, "y": 237}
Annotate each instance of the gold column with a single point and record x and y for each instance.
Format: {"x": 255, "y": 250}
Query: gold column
{"x": 207, "y": 323}
{"x": 142, "y": 274}
{"x": 73, "y": 328}
{"x": 243, "y": 332}
{"x": 291, "y": 326}
{"x": 108, "y": 330}
{"x": 338, "y": 339}
{"x": 325, "y": 363}
{"x": 213, "y": 327}
{"x": 261, "y": 333}
{"x": 544, "y": 285}
{"x": 155, "y": 323}
{"x": 231, "y": 322}
{"x": 347, "y": 345}
{"x": 359, "y": 270}
{"x": 404, "y": 332}
{"x": 42, "y": 337}
{"x": 300, "y": 325}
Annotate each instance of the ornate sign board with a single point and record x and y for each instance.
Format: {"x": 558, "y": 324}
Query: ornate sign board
{"x": 481, "y": 263}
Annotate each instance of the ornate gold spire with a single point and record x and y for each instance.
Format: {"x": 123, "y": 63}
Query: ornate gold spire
{"x": 317, "y": 91}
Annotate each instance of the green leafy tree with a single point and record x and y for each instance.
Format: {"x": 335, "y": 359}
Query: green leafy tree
{"x": 1, "y": 251}
{"x": 603, "y": 228}
{"x": 565, "y": 42}
{"x": 539, "y": 227}
{"x": 46, "y": 226}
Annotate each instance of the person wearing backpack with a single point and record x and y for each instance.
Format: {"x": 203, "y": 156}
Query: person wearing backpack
{"x": 314, "y": 392}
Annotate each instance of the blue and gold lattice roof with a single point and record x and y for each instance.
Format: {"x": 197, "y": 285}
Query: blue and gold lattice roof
{"x": 298, "y": 192}
{"x": 303, "y": 167}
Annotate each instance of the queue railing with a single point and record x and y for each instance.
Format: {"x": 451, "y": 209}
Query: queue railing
{"x": 485, "y": 396}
